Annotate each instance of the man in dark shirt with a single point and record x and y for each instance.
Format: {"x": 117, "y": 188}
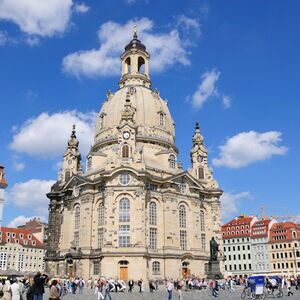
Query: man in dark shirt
{"x": 38, "y": 286}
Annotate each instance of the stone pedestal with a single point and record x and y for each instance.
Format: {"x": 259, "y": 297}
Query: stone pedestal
{"x": 214, "y": 269}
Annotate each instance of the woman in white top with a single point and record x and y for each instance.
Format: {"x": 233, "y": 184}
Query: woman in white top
{"x": 15, "y": 290}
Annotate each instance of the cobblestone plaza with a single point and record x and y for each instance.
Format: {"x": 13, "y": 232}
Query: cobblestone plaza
{"x": 162, "y": 294}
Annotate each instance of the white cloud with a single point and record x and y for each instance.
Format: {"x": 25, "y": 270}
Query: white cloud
{"x": 166, "y": 50}
{"x": 37, "y": 17}
{"x": 230, "y": 204}
{"x": 187, "y": 24}
{"x": 3, "y": 38}
{"x": 18, "y": 166}
{"x": 206, "y": 89}
{"x": 46, "y": 136}
{"x": 226, "y": 100}
{"x": 81, "y": 8}
{"x": 31, "y": 195}
{"x": 248, "y": 147}
{"x": 21, "y": 220}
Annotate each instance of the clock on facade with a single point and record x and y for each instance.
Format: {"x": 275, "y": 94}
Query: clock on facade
{"x": 70, "y": 161}
{"x": 200, "y": 158}
{"x": 126, "y": 135}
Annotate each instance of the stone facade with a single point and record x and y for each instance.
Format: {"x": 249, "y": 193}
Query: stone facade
{"x": 134, "y": 213}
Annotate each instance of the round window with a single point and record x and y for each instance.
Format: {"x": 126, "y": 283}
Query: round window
{"x": 124, "y": 178}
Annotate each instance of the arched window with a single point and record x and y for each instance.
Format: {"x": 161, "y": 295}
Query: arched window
{"x": 156, "y": 268}
{"x": 128, "y": 66}
{"x": 77, "y": 217}
{"x": 125, "y": 151}
{"x": 200, "y": 173}
{"x": 172, "y": 161}
{"x": 124, "y": 210}
{"x": 101, "y": 123}
{"x": 161, "y": 119}
{"x": 141, "y": 65}
{"x": 182, "y": 216}
{"x": 101, "y": 215}
{"x": 153, "y": 213}
{"x": 202, "y": 220}
{"x": 67, "y": 176}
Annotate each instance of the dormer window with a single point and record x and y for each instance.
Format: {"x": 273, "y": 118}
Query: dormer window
{"x": 125, "y": 151}
{"x": 101, "y": 123}
{"x": 200, "y": 173}
{"x": 13, "y": 235}
{"x": 33, "y": 243}
{"x": 21, "y": 235}
{"x": 172, "y": 161}
{"x": 162, "y": 119}
{"x": 8, "y": 234}
{"x": 29, "y": 236}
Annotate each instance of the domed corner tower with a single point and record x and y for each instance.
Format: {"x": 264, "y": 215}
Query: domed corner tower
{"x": 134, "y": 213}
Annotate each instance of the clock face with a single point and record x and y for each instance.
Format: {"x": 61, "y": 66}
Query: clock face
{"x": 70, "y": 161}
{"x": 126, "y": 135}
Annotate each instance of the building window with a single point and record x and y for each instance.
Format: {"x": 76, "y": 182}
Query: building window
{"x": 101, "y": 125}
{"x": 200, "y": 173}
{"x": 172, "y": 161}
{"x": 21, "y": 261}
{"x": 124, "y": 179}
{"x": 100, "y": 238}
{"x": 202, "y": 220}
{"x": 156, "y": 268}
{"x": 3, "y": 260}
{"x": 161, "y": 119}
{"x": 124, "y": 210}
{"x": 183, "y": 240}
{"x": 153, "y": 238}
{"x": 76, "y": 239}
{"x": 203, "y": 242}
{"x": 97, "y": 268}
{"x": 77, "y": 217}
{"x": 101, "y": 214}
{"x": 182, "y": 216}
{"x": 124, "y": 236}
{"x": 67, "y": 176}
{"x": 153, "y": 213}
{"x": 125, "y": 151}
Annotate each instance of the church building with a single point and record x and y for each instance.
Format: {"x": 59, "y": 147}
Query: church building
{"x": 134, "y": 212}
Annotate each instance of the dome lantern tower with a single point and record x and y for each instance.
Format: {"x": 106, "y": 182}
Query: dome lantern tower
{"x": 135, "y": 64}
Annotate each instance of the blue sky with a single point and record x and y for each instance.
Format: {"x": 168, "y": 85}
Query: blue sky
{"x": 231, "y": 65}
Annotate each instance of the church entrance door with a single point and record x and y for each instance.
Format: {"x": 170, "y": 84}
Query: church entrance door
{"x": 123, "y": 273}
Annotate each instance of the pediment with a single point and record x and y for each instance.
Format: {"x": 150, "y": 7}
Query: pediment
{"x": 185, "y": 177}
{"x": 75, "y": 181}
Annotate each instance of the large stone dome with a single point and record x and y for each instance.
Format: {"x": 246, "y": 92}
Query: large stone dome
{"x": 150, "y": 113}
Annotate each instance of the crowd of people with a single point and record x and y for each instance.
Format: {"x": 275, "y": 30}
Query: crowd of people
{"x": 33, "y": 288}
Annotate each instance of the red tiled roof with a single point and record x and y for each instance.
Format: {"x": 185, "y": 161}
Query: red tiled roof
{"x": 238, "y": 227}
{"x": 283, "y": 232}
{"x": 20, "y": 236}
{"x": 258, "y": 226}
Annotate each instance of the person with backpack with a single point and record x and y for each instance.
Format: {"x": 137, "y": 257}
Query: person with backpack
{"x": 38, "y": 289}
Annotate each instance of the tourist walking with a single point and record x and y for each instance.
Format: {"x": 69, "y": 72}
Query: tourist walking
{"x": 289, "y": 287}
{"x": 54, "y": 291}
{"x": 130, "y": 285}
{"x": 7, "y": 290}
{"x": 170, "y": 288}
{"x": 141, "y": 285}
{"x": 108, "y": 287}
{"x": 215, "y": 288}
{"x": 99, "y": 290}
{"x": 15, "y": 290}
{"x": 180, "y": 285}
